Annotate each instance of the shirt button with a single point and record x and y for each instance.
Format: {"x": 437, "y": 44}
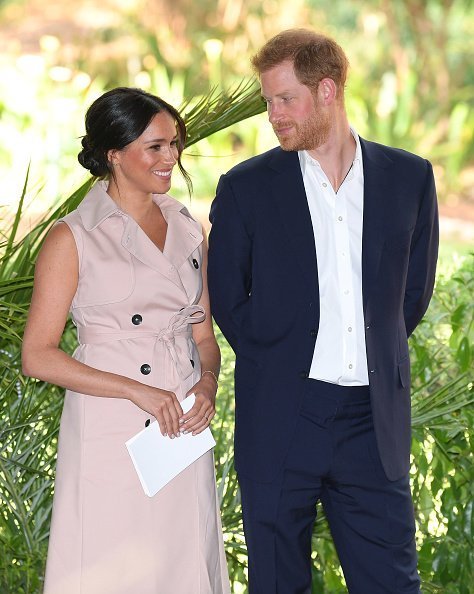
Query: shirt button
{"x": 367, "y": 327}
{"x": 145, "y": 368}
{"x": 137, "y": 319}
{"x": 372, "y": 371}
{"x": 349, "y": 329}
{"x": 350, "y": 366}
{"x": 192, "y": 363}
{"x": 346, "y": 292}
{"x": 195, "y": 263}
{"x": 325, "y": 185}
{"x": 339, "y": 218}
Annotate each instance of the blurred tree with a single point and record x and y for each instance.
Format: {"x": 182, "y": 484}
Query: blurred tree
{"x": 411, "y": 83}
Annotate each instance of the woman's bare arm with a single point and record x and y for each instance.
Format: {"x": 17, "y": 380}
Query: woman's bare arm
{"x": 56, "y": 279}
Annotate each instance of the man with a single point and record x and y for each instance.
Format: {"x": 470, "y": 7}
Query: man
{"x": 321, "y": 264}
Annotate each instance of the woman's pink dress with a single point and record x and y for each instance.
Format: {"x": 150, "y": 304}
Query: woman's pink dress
{"x": 133, "y": 309}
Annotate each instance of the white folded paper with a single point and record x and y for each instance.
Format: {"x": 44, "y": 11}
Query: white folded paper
{"x": 158, "y": 459}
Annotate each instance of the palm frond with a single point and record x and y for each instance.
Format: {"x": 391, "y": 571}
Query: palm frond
{"x": 431, "y": 409}
{"x": 17, "y": 219}
{"x": 219, "y": 110}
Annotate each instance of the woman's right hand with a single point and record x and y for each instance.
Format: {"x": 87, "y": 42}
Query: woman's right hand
{"x": 163, "y": 405}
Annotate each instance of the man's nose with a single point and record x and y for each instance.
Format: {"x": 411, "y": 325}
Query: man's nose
{"x": 275, "y": 112}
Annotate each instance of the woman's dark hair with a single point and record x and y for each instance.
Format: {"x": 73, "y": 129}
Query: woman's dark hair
{"x": 117, "y": 118}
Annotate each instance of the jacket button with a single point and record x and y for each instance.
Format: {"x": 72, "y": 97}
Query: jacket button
{"x": 314, "y": 332}
{"x": 137, "y": 319}
{"x": 195, "y": 263}
{"x": 304, "y": 374}
{"x": 145, "y": 369}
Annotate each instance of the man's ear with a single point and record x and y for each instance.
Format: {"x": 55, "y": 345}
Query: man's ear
{"x": 327, "y": 91}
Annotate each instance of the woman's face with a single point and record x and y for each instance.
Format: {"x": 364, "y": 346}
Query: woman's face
{"x": 145, "y": 165}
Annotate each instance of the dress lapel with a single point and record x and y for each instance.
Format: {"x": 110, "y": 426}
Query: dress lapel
{"x": 138, "y": 244}
{"x": 182, "y": 239}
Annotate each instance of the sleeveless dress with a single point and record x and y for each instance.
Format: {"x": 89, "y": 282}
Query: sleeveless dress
{"x": 134, "y": 309}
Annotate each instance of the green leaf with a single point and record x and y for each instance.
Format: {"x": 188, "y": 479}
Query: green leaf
{"x": 458, "y": 315}
{"x": 463, "y": 354}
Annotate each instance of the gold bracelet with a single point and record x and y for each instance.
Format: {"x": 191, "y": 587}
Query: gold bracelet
{"x": 213, "y": 375}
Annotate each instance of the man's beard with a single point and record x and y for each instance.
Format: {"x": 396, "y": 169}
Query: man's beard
{"x": 308, "y": 135}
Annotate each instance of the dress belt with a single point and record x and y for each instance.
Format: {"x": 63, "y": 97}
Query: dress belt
{"x": 175, "y": 337}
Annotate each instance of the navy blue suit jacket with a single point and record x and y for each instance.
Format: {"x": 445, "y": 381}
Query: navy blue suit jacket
{"x": 263, "y": 283}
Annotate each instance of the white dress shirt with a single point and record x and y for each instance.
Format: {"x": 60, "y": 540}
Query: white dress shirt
{"x": 339, "y": 355}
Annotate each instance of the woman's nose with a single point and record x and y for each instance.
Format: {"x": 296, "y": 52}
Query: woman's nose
{"x": 170, "y": 155}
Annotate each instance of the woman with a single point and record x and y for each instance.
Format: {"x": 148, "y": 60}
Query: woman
{"x": 130, "y": 265}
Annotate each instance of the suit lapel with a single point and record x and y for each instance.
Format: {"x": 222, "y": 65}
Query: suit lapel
{"x": 377, "y": 189}
{"x": 289, "y": 197}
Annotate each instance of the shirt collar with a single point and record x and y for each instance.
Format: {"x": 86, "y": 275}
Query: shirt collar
{"x": 306, "y": 159}
{"x": 98, "y": 206}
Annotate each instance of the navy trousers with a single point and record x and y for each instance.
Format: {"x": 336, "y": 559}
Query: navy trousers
{"x": 333, "y": 458}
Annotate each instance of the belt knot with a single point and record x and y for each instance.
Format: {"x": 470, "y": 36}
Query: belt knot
{"x": 175, "y": 336}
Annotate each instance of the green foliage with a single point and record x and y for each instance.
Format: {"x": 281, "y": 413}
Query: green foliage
{"x": 410, "y": 82}
{"x": 443, "y": 421}
{"x": 217, "y": 111}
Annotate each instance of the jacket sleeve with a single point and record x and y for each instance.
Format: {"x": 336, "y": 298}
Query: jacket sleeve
{"x": 229, "y": 266}
{"x": 423, "y": 257}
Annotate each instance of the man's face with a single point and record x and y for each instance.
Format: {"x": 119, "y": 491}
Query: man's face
{"x": 299, "y": 121}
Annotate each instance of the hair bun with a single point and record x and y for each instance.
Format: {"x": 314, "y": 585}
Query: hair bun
{"x": 91, "y": 159}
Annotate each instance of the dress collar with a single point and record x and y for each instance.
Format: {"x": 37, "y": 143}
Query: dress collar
{"x": 98, "y": 206}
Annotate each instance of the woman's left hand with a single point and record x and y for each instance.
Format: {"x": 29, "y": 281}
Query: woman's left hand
{"x": 200, "y": 415}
